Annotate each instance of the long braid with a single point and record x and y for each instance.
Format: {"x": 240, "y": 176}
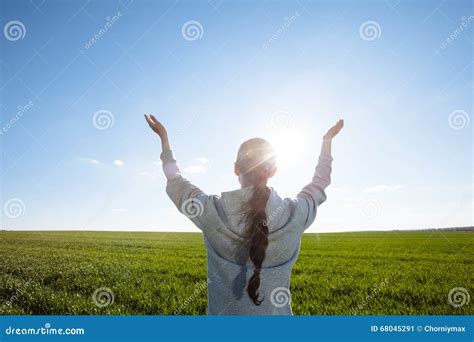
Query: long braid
{"x": 257, "y": 232}
{"x": 256, "y": 164}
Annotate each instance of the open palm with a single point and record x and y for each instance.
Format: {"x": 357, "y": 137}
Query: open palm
{"x": 155, "y": 125}
{"x": 334, "y": 130}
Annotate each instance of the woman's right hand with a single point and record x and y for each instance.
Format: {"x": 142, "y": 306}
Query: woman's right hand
{"x": 334, "y": 130}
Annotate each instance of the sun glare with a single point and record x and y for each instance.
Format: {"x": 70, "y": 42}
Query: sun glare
{"x": 289, "y": 145}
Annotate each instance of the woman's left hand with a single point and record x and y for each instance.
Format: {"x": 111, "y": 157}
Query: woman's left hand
{"x": 159, "y": 129}
{"x": 156, "y": 126}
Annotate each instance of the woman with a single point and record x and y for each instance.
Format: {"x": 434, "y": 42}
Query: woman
{"x": 252, "y": 235}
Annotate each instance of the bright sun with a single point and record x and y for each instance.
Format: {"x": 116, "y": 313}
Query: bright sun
{"x": 289, "y": 145}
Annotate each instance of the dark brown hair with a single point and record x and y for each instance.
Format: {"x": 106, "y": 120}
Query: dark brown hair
{"x": 256, "y": 160}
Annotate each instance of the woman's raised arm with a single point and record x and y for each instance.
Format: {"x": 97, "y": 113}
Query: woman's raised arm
{"x": 170, "y": 167}
{"x": 159, "y": 129}
{"x": 327, "y": 138}
{"x": 313, "y": 194}
{"x": 188, "y": 198}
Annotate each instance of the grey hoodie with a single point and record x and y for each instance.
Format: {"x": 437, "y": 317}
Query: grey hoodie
{"x": 228, "y": 264}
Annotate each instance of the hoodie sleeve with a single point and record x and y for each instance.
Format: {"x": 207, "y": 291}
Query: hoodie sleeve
{"x": 188, "y": 198}
{"x": 313, "y": 194}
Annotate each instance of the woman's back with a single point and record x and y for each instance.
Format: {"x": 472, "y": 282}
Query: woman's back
{"x": 252, "y": 235}
{"x": 228, "y": 264}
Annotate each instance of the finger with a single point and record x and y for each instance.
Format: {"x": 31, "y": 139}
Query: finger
{"x": 148, "y": 120}
{"x": 155, "y": 120}
{"x": 339, "y": 125}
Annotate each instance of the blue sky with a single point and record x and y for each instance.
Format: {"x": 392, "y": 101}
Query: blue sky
{"x": 398, "y": 72}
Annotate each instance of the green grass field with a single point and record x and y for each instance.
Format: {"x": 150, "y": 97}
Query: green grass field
{"x": 163, "y": 273}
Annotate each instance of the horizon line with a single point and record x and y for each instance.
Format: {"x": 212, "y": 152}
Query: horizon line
{"x": 449, "y": 229}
